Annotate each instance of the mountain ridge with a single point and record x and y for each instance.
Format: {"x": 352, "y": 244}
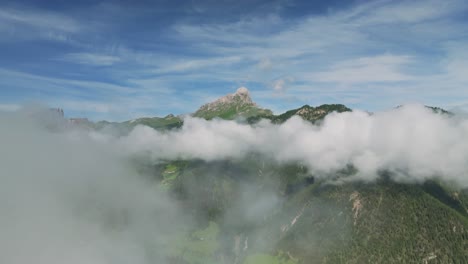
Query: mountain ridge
{"x": 236, "y": 106}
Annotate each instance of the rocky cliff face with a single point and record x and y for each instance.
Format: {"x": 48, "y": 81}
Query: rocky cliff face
{"x": 240, "y": 98}
{"x": 231, "y": 106}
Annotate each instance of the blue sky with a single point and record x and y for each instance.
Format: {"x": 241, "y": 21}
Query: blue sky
{"x": 118, "y": 60}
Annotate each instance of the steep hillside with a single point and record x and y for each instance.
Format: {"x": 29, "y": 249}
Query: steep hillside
{"x": 267, "y": 213}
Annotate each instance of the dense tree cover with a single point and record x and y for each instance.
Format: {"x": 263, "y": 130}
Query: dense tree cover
{"x": 312, "y": 221}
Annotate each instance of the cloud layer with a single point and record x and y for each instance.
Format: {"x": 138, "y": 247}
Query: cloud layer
{"x": 368, "y": 54}
{"x": 411, "y": 141}
{"x": 64, "y": 198}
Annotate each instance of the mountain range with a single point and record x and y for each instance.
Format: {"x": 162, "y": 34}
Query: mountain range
{"x": 299, "y": 217}
{"x": 236, "y": 106}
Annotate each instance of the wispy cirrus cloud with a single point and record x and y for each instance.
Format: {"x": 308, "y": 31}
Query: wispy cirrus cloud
{"x": 383, "y": 52}
{"x": 28, "y": 23}
{"x": 197, "y": 64}
{"x": 95, "y": 99}
{"x": 51, "y": 84}
{"x": 39, "y": 19}
{"x": 91, "y": 59}
{"x": 346, "y": 52}
{"x": 411, "y": 11}
{"x": 382, "y": 68}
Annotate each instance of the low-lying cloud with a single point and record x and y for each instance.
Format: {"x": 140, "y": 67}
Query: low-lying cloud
{"x": 411, "y": 141}
{"x": 65, "y": 198}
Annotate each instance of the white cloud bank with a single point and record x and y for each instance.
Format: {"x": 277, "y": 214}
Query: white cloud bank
{"x": 69, "y": 199}
{"x": 411, "y": 141}
{"x": 383, "y": 68}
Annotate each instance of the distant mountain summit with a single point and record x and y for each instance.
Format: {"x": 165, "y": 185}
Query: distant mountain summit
{"x": 313, "y": 114}
{"x": 306, "y": 112}
{"x": 231, "y": 106}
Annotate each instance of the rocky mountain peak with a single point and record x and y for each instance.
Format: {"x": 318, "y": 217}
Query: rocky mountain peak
{"x": 229, "y": 106}
{"x": 241, "y": 97}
